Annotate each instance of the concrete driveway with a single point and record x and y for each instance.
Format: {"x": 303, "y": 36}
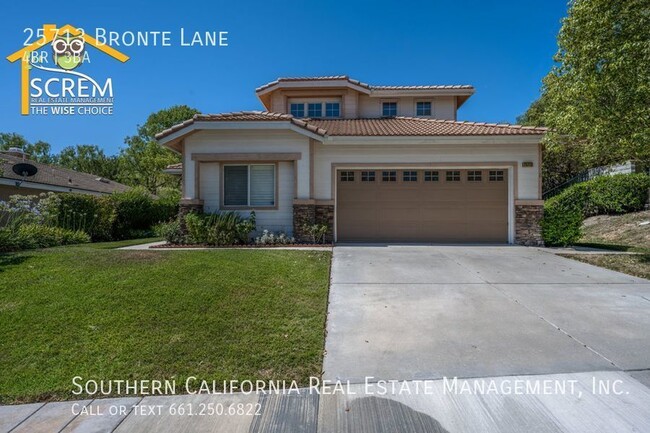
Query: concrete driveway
{"x": 425, "y": 312}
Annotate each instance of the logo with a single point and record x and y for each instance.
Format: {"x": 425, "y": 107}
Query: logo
{"x": 53, "y": 82}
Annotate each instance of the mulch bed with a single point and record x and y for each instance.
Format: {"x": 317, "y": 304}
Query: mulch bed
{"x": 243, "y": 246}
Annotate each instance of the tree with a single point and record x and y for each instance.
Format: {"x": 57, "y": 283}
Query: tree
{"x": 597, "y": 97}
{"x": 88, "y": 158}
{"x": 142, "y": 161}
{"x": 38, "y": 151}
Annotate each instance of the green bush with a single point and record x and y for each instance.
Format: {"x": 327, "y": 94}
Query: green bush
{"x": 170, "y": 231}
{"x": 136, "y": 212}
{"x": 94, "y": 215}
{"x": 564, "y": 213}
{"x": 30, "y": 236}
{"x": 225, "y": 228}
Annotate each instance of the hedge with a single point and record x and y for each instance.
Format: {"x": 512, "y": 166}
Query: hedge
{"x": 617, "y": 194}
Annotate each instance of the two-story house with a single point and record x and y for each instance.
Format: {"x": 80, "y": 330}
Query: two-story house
{"x": 374, "y": 163}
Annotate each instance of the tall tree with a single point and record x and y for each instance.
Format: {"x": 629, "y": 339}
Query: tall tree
{"x": 596, "y": 98}
{"x": 38, "y": 151}
{"x": 142, "y": 161}
{"x": 89, "y": 159}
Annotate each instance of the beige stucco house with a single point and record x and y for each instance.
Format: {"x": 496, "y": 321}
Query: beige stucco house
{"x": 374, "y": 163}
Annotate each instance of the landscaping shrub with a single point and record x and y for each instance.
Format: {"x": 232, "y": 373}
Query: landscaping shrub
{"x": 30, "y": 236}
{"x": 225, "y": 228}
{"x": 94, "y": 215}
{"x": 316, "y": 232}
{"x": 170, "y": 231}
{"x": 270, "y": 238}
{"x": 136, "y": 212}
{"x": 564, "y": 213}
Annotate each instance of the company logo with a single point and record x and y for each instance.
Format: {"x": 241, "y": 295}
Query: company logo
{"x": 58, "y": 86}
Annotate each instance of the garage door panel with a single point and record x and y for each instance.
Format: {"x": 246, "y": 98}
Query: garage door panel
{"x": 436, "y": 211}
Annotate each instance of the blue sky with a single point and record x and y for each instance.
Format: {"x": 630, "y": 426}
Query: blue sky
{"x": 503, "y": 48}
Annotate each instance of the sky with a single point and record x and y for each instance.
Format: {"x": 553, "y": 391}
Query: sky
{"x": 503, "y": 48}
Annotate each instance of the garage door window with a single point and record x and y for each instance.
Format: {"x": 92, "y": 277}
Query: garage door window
{"x": 452, "y": 176}
{"x": 496, "y": 175}
{"x": 410, "y": 176}
{"x": 389, "y": 176}
{"x": 249, "y": 185}
{"x": 367, "y": 176}
{"x": 474, "y": 176}
{"x": 431, "y": 176}
{"x": 347, "y": 176}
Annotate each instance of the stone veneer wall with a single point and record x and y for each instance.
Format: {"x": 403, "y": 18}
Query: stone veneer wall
{"x": 185, "y": 207}
{"x": 528, "y": 230}
{"x": 308, "y": 214}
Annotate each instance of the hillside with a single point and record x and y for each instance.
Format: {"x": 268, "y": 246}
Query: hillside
{"x": 629, "y": 232}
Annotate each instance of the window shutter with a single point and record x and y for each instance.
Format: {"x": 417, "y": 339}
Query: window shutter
{"x": 263, "y": 185}
{"x": 235, "y": 185}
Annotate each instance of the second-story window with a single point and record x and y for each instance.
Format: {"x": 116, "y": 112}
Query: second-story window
{"x": 315, "y": 110}
{"x": 332, "y": 109}
{"x": 298, "y": 110}
{"x": 423, "y": 108}
{"x": 389, "y": 109}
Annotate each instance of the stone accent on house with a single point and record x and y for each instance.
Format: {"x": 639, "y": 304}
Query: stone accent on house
{"x": 325, "y": 215}
{"x": 303, "y": 214}
{"x": 528, "y": 230}
{"x": 186, "y": 206}
{"x": 307, "y": 212}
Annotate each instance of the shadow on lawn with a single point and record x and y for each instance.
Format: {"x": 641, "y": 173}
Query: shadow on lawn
{"x": 7, "y": 259}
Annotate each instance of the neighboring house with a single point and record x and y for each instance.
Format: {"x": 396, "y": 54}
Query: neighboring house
{"x": 49, "y": 178}
{"x": 374, "y": 163}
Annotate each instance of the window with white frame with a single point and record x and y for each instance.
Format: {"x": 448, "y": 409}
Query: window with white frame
{"x": 315, "y": 109}
{"x": 474, "y": 175}
{"x": 389, "y": 109}
{"x": 249, "y": 185}
{"x": 496, "y": 175}
{"x": 423, "y": 108}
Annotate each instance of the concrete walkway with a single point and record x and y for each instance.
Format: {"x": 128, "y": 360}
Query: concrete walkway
{"x": 150, "y": 247}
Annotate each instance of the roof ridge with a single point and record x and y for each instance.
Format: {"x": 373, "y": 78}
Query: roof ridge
{"x": 474, "y": 123}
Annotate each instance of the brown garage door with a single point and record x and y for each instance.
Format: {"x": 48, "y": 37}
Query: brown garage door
{"x": 386, "y": 205}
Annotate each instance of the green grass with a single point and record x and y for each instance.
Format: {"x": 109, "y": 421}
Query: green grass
{"x": 113, "y": 314}
{"x": 618, "y": 233}
{"x": 632, "y": 264}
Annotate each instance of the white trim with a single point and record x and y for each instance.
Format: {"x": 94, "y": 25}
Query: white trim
{"x": 387, "y": 93}
{"x": 46, "y": 187}
{"x": 487, "y": 166}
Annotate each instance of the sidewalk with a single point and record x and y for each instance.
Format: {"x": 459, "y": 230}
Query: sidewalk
{"x": 431, "y": 406}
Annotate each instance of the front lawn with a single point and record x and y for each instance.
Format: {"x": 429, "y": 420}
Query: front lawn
{"x": 116, "y": 314}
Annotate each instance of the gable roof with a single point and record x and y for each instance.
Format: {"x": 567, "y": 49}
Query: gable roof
{"x": 375, "y": 127}
{"x": 58, "y": 176}
{"x": 242, "y": 116}
{"x": 264, "y": 93}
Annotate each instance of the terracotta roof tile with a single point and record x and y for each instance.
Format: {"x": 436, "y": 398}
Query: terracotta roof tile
{"x": 413, "y": 126}
{"x": 242, "y": 116}
{"x": 378, "y": 127}
{"x": 58, "y": 176}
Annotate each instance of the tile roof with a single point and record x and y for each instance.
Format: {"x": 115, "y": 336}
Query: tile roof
{"x": 376, "y": 127}
{"x": 242, "y": 116}
{"x": 177, "y": 166}
{"x": 58, "y": 176}
{"x": 414, "y": 126}
{"x": 359, "y": 83}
